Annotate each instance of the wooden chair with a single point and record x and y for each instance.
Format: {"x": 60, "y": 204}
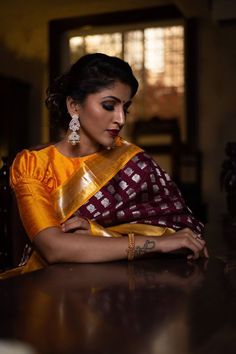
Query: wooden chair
{"x": 160, "y": 138}
{"x": 13, "y": 237}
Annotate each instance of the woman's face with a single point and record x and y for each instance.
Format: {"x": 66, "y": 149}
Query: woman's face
{"x": 103, "y": 114}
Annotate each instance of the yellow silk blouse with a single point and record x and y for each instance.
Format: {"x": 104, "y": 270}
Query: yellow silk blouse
{"x": 34, "y": 176}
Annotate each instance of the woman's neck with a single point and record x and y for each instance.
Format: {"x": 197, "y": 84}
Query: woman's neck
{"x": 79, "y": 150}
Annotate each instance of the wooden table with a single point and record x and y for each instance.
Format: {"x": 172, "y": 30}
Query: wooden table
{"x": 163, "y": 305}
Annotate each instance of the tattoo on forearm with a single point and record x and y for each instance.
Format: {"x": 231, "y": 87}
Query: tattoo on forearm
{"x": 147, "y": 247}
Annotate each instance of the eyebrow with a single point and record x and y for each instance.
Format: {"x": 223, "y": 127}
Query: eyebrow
{"x": 117, "y": 99}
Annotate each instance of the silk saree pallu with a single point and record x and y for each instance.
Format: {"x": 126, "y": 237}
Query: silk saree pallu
{"x": 124, "y": 190}
{"x": 120, "y": 191}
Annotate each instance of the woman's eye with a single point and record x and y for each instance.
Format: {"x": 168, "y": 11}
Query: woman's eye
{"x": 108, "y": 107}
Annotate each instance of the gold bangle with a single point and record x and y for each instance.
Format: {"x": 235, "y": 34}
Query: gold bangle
{"x": 131, "y": 246}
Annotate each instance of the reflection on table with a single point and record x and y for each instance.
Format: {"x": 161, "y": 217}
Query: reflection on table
{"x": 165, "y": 306}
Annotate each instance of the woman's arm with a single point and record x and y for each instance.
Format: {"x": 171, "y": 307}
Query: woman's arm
{"x": 57, "y": 246}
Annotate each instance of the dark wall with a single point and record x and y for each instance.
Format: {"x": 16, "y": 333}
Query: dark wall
{"x": 14, "y": 103}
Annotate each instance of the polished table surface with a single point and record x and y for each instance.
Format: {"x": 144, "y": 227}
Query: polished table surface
{"x": 165, "y": 305}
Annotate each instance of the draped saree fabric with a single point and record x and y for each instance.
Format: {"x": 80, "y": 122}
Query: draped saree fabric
{"x": 119, "y": 191}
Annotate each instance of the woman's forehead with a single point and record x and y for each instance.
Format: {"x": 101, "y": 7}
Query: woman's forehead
{"x": 118, "y": 90}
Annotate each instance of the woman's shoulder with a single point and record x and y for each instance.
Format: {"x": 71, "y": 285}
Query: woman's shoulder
{"x": 149, "y": 167}
{"x": 34, "y": 154}
{"x": 32, "y": 162}
{"x": 144, "y": 160}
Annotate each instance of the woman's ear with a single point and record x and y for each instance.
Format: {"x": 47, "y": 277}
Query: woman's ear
{"x": 72, "y": 106}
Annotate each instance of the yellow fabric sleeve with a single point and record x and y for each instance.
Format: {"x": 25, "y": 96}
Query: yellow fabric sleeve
{"x": 30, "y": 181}
{"x": 35, "y": 206}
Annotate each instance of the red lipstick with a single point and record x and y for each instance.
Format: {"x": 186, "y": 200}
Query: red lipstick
{"x": 113, "y": 132}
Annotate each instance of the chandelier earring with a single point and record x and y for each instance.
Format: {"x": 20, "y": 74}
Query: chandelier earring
{"x": 74, "y": 125}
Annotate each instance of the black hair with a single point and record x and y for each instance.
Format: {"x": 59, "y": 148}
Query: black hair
{"x": 89, "y": 74}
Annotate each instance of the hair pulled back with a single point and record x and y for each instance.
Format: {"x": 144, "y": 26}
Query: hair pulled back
{"x": 89, "y": 74}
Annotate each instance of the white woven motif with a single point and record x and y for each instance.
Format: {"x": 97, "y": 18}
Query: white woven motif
{"x": 105, "y": 202}
{"x": 136, "y": 178}
{"x": 151, "y": 212}
{"x": 136, "y": 213}
{"x": 132, "y": 196}
{"x": 120, "y": 214}
{"x": 167, "y": 177}
{"x": 111, "y": 189}
{"x": 178, "y": 205}
{"x": 128, "y": 171}
{"x": 144, "y": 186}
{"x": 162, "y": 222}
{"x": 158, "y": 198}
{"x": 167, "y": 192}
{"x": 155, "y": 188}
{"x": 130, "y": 191}
{"x": 135, "y": 158}
{"x": 119, "y": 205}
{"x": 152, "y": 177}
{"x": 163, "y": 206}
{"x": 158, "y": 171}
{"x": 91, "y": 208}
{"x": 106, "y": 213}
{"x": 142, "y": 165}
{"x": 98, "y": 195}
{"x": 163, "y": 183}
{"x": 118, "y": 197}
{"x": 123, "y": 185}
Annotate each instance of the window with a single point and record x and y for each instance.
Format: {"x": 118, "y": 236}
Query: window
{"x": 156, "y": 54}
{"x": 130, "y": 32}
{"x": 169, "y": 81}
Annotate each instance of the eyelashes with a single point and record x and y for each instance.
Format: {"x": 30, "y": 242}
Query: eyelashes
{"x": 110, "y": 107}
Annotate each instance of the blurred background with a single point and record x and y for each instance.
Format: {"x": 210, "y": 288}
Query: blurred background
{"x": 183, "y": 53}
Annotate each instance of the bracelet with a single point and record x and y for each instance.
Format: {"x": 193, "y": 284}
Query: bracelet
{"x": 131, "y": 246}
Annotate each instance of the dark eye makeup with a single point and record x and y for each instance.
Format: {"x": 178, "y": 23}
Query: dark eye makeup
{"x": 108, "y": 106}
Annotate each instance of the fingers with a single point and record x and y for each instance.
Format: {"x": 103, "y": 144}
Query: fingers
{"x": 205, "y": 252}
{"x": 195, "y": 243}
{"x": 184, "y": 239}
{"x": 75, "y": 223}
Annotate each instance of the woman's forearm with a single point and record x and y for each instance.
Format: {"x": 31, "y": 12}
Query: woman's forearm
{"x": 72, "y": 247}
{"x": 58, "y": 247}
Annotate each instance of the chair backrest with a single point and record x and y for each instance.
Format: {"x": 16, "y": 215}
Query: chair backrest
{"x": 161, "y": 139}
{"x": 5, "y": 205}
{"x": 13, "y": 237}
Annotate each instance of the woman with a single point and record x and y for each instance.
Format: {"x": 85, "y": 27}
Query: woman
{"x": 94, "y": 183}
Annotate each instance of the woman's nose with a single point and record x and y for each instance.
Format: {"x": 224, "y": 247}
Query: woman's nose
{"x": 120, "y": 117}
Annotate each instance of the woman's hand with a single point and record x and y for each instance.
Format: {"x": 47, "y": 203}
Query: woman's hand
{"x": 77, "y": 225}
{"x": 185, "y": 239}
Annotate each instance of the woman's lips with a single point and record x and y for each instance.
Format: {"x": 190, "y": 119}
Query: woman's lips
{"x": 113, "y": 132}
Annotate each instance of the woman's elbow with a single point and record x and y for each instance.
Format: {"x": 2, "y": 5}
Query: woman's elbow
{"x": 51, "y": 257}
{"x": 47, "y": 247}
{"x": 49, "y": 254}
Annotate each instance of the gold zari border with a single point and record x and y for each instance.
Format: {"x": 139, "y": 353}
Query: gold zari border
{"x": 93, "y": 174}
